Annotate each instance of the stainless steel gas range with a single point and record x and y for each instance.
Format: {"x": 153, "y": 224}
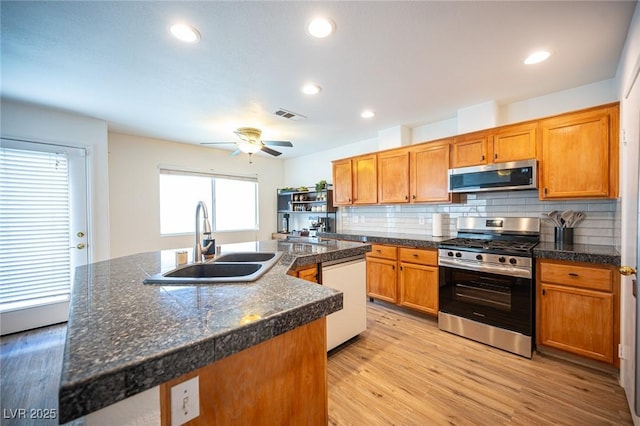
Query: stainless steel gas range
{"x": 487, "y": 279}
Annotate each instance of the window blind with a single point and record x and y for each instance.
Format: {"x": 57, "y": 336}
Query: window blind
{"x": 35, "y": 266}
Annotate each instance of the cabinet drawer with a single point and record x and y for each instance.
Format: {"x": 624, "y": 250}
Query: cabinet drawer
{"x": 421, "y": 256}
{"x": 577, "y": 276}
{"x": 384, "y": 252}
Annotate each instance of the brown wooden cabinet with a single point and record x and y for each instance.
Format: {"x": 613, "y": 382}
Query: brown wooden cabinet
{"x": 578, "y": 308}
{"x": 405, "y": 276}
{"x": 393, "y": 176}
{"x": 470, "y": 150}
{"x": 499, "y": 145}
{"x": 342, "y": 182}
{"x": 381, "y": 273}
{"x": 429, "y": 168}
{"x": 306, "y": 272}
{"x": 579, "y": 154}
{"x": 514, "y": 143}
{"x": 418, "y": 280}
{"x": 355, "y": 180}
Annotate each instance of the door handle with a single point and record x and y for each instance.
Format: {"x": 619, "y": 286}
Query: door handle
{"x": 627, "y": 270}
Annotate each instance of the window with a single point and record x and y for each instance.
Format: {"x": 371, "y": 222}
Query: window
{"x": 232, "y": 201}
{"x": 35, "y": 268}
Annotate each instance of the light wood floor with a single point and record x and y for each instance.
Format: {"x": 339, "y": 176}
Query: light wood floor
{"x": 401, "y": 371}
{"x": 404, "y": 371}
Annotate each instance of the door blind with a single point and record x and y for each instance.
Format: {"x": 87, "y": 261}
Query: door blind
{"x": 35, "y": 266}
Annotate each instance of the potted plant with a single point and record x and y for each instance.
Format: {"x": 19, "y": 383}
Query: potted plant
{"x": 321, "y": 185}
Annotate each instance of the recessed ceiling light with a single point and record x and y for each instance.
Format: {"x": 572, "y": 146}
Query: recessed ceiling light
{"x": 311, "y": 89}
{"x": 539, "y": 56}
{"x": 367, "y": 114}
{"x": 184, "y": 32}
{"x": 321, "y": 27}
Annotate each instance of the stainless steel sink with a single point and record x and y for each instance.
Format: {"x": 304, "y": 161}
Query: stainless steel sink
{"x": 246, "y": 257}
{"x": 230, "y": 268}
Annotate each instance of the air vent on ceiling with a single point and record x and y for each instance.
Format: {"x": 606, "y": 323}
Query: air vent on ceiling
{"x": 290, "y": 115}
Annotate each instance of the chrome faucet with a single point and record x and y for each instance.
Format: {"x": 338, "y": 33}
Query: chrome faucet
{"x": 200, "y": 248}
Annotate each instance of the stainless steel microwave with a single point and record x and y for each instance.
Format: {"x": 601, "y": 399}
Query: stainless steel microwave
{"x": 495, "y": 177}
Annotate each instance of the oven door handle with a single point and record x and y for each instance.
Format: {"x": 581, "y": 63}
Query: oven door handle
{"x": 497, "y": 270}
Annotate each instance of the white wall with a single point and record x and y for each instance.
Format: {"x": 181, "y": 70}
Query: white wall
{"x": 39, "y": 124}
{"x": 629, "y": 95}
{"x": 134, "y": 190}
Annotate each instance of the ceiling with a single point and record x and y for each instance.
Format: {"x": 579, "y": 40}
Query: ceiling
{"x": 413, "y": 63}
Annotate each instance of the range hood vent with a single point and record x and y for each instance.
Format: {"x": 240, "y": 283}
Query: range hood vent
{"x": 290, "y": 115}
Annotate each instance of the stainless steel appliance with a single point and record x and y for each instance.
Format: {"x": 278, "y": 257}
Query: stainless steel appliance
{"x": 486, "y": 282}
{"x": 495, "y": 177}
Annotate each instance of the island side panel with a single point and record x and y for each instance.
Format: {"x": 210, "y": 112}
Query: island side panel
{"x": 280, "y": 381}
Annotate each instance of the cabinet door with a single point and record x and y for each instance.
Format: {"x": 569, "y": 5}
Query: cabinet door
{"x": 575, "y": 156}
{"x": 418, "y": 287}
{"x": 309, "y": 274}
{"x": 342, "y": 183}
{"x": 429, "y": 173}
{"x": 393, "y": 177}
{"x": 469, "y": 150}
{"x": 365, "y": 179}
{"x": 515, "y": 143}
{"x": 577, "y": 321}
{"x": 381, "y": 279}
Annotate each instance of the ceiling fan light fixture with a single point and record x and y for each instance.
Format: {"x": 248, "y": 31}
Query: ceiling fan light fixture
{"x": 184, "y": 32}
{"x": 321, "y": 27}
{"x": 248, "y": 147}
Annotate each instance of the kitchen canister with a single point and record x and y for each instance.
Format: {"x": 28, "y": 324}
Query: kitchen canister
{"x": 436, "y": 223}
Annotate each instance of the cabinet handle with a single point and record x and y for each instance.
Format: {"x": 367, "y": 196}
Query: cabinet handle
{"x": 495, "y": 156}
{"x": 483, "y": 158}
{"x": 573, "y": 274}
{"x": 544, "y": 292}
{"x": 393, "y": 267}
{"x": 415, "y": 255}
{"x": 545, "y": 190}
{"x": 406, "y": 197}
{"x": 414, "y": 196}
{"x": 402, "y": 268}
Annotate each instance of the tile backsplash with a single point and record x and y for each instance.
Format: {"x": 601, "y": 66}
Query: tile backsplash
{"x": 601, "y": 225}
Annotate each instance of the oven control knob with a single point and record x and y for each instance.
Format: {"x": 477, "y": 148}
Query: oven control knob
{"x": 501, "y": 259}
{"x": 478, "y": 257}
{"x": 513, "y": 261}
{"x": 450, "y": 253}
{"x": 458, "y": 254}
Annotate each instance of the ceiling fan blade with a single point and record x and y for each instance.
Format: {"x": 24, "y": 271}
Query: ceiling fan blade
{"x": 215, "y": 143}
{"x": 236, "y": 152}
{"x": 278, "y": 143}
{"x": 270, "y": 151}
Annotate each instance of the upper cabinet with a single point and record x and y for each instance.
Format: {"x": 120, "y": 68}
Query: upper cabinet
{"x": 579, "y": 154}
{"x": 355, "y": 180}
{"x": 514, "y": 143}
{"x": 499, "y": 145}
{"x": 577, "y": 157}
{"x": 429, "y": 167}
{"x": 470, "y": 150}
{"x": 393, "y": 176}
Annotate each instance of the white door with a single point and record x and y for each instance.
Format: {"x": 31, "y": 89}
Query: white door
{"x": 43, "y": 231}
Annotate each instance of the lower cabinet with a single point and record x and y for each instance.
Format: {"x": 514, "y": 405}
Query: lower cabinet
{"x": 306, "y": 272}
{"x": 405, "y": 276}
{"x": 578, "y": 308}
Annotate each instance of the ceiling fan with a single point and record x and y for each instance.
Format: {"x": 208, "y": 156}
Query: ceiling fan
{"x": 251, "y": 142}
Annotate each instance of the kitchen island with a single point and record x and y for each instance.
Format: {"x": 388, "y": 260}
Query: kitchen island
{"x": 126, "y": 338}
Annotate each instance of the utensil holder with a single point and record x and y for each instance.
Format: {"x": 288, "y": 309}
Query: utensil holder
{"x": 563, "y": 236}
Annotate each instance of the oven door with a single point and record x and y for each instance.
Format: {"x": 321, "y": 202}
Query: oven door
{"x": 498, "y": 300}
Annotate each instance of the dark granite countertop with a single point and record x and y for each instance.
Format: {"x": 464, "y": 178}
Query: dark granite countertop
{"x": 606, "y": 255}
{"x": 125, "y": 337}
{"x": 392, "y": 238}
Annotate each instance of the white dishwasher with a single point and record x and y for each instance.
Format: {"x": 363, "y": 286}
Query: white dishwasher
{"x": 349, "y": 275}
